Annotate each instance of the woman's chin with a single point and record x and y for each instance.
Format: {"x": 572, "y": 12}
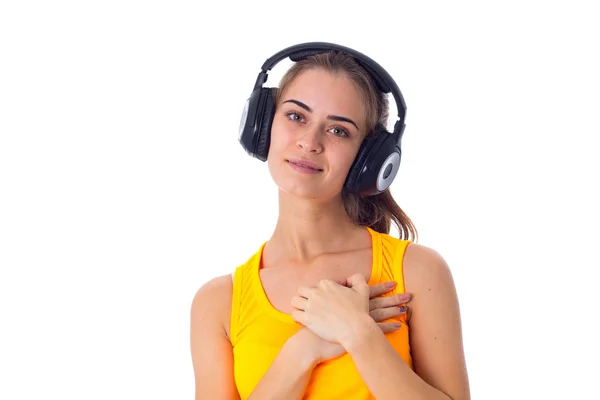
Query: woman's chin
{"x": 308, "y": 192}
{"x": 308, "y": 187}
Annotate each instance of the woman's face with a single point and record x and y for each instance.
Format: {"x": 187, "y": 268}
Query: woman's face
{"x": 317, "y": 129}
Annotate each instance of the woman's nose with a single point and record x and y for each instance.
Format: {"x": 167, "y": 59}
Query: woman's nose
{"x": 310, "y": 141}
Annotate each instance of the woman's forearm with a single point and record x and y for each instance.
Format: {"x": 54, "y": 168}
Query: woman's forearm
{"x": 288, "y": 376}
{"x": 384, "y": 372}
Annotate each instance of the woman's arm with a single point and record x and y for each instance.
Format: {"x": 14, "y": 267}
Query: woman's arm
{"x": 212, "y": 355}
{"x": 435, "y": 334}
{"x": 288, "y": 376}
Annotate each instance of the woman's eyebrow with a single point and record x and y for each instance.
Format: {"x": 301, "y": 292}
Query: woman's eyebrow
{"x": 332, "y": 117}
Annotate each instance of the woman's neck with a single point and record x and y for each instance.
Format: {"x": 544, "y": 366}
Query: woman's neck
{"x": 306, "y": 229}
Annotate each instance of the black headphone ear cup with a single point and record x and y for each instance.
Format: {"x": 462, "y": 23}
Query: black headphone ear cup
{"x": 265, "y": 120}
{"x": 376, "y": 164}
{"x": 366, "y": 148}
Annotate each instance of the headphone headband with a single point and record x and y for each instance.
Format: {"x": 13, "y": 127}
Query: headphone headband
{"x": 382, "y": 78}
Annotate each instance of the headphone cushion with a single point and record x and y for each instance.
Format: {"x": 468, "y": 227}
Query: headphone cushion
{"x": 364, "y": 154}
{"x": 266, "y": 114}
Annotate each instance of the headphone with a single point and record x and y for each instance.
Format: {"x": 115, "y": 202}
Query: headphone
{"x": 378, "y": 158}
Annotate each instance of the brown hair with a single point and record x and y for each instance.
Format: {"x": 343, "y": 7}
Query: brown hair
{"x": 376, "y": 212}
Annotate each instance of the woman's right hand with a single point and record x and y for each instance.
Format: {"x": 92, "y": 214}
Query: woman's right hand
{"x": 381, "y": 308}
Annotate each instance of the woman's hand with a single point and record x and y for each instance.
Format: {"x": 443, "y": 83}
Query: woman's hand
{"x": 331, "y": 310}
{"x": 381, "y": 308}
{"x": 386, "y": 307}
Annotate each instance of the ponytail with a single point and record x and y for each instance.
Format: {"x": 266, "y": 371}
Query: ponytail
{"x": 378, "y": 212}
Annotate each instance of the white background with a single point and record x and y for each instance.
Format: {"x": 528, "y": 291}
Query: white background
{"x": 123, "y": 187}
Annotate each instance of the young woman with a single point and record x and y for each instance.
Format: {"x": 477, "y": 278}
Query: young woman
{"x": 310, "y": 315}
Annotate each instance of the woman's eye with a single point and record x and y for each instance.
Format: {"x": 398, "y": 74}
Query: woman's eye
{"x": 294, "y": 116}
{"x": 340, "y": 132}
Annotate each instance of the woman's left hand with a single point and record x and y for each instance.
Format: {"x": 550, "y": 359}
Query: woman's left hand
{"x": 331, "y": 310}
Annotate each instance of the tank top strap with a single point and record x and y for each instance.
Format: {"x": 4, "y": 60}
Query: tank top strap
{"x": 238, "y": 281}
{"x": 398, "y": 264}
{"x": 242, "y": 287}
{"x": 377, "y": 249}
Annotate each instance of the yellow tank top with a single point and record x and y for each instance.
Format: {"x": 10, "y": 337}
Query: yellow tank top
{"x": 258, "y": 330}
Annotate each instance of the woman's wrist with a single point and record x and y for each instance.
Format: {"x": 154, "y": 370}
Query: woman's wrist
{"x": 301, "y": 351}
{"x": 360, "y": 330}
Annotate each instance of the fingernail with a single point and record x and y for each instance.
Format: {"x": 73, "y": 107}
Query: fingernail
{"x": 390, "y": 284}
{"x": 404, "y": 297}
{"x": 397, "y": 325}
{"x": 402, "y": 308}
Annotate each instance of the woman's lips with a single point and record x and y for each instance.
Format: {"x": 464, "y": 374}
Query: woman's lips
{"x": 304, "y": 166}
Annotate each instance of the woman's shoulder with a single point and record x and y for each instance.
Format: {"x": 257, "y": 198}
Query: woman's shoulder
{"x": 424, "y": 256}
{"x": 424, "y": 268}
{"x": 415, "y": 256}
{"x": 212, "y": 300}
{"x": 215, "y": 286}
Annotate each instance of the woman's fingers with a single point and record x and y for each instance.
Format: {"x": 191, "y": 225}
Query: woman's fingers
{"x": 389, "y": 301}
{"x": 299, "y": 303}
{"x": 381, "y": 314}
{"x": 381, "y": 288}
{"x": 389, "y": 326}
